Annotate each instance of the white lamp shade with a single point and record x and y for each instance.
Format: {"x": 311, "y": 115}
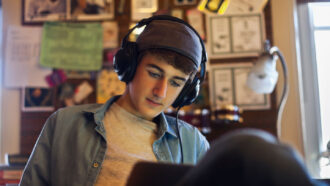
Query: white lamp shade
{"x": 263, "y": 75}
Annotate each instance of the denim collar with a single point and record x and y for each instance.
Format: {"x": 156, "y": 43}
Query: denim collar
{"x": 99, "y": 113}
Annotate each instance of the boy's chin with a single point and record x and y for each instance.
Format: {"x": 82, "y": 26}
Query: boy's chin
{"x": 150, "y": 114}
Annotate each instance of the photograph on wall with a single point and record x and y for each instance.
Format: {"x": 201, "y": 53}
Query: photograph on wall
{"x": 40, "y": 11}
{"x": 92, "y": 10}
{"x": 37, "y": 99}
{"x": 37, "y": 11}
{"x": 228, "y": 87}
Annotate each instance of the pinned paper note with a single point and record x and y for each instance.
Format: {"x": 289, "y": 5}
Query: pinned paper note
{"x": 108, "y": 85}
{"x": 72, "y": 46}
{"x": 82, "y": 92}
{"x": 22, "y": 58}
{"x": 195, "y": 19}
{"x": 110, "y": 34}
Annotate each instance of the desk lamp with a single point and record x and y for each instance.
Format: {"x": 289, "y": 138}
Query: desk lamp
{"x": 263, "y": 76}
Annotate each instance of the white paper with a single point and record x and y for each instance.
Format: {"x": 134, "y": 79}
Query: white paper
{"x": 223, "y": 87}
{"x": 110, "y": 34}
{"x": 82, "y": 92}
{"x": 137, "y": 14}
{"x": 246, "y": 33}
{"x": 245, "y": 6}
{"x": 220, "y": 35}
{"x": 22, "y": 58}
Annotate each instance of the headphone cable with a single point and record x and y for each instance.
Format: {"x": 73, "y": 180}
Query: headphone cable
{"x": 178, "y": 131}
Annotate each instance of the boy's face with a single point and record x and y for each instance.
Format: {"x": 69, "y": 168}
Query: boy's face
{"x": 154, "y": 88}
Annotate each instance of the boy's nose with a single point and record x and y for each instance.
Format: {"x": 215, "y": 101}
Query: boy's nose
{"x": 160, "y": 89}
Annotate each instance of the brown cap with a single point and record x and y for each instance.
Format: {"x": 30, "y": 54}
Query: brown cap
{"x": 171, "y": 35}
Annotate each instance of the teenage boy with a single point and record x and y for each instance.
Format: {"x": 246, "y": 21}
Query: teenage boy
{"x": 99, "y": 144}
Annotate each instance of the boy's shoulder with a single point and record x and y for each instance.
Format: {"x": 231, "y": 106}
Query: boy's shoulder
{"x": 78, "y": 109}
{"x": 182, "y": 124}
{"x": 82, "y": 107}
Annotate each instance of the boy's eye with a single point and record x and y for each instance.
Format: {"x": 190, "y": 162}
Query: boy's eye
{"x": 155, "y": 75}
{"x": 174, "y": 84}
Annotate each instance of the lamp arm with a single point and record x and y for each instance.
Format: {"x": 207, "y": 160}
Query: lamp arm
{"x": 285, "y": 92}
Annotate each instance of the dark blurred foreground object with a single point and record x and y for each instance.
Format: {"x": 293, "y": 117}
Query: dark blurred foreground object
{"x": 243, "y": 157}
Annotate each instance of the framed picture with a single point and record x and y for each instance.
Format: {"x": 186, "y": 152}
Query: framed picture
{"x": 91, "y": 10}
{"x": 235, "y": 35}
{"x": 37, "y": 99}
{"x": 39, "y": 11}
{"x": 228, "y": 87}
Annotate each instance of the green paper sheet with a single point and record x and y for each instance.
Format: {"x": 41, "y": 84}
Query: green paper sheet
{"x": 72, "y": 46}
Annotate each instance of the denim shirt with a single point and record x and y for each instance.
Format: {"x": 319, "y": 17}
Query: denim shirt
{"x": 72, "y": 146}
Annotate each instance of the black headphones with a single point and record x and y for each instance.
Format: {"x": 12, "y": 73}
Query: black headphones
{"x": 125, "y": 62}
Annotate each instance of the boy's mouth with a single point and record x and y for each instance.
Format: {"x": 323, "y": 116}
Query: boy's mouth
{"x": 152, "y": 102}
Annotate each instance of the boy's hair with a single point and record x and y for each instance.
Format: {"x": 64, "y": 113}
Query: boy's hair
{"x": 178, "y": 61}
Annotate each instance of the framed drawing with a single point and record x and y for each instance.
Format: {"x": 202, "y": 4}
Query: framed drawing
{"x": 39, "y": 11}
{"x": 228, "y": 86}
{"x": 235, "y": 35}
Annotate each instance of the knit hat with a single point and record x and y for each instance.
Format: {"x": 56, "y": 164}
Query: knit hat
{"x": 171, "y": 35}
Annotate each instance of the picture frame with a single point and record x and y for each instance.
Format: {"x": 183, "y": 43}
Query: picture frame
{"x": 228, "y": 87}
{"x": 36, "y": 99}
{"x": 231, "y": 36}
{"x": 91, "y": 10}
{"x": 40, "y": 11}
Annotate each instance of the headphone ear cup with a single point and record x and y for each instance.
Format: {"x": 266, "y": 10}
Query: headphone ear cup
{"x": 188, "y": 94}
{"x": 125, "y": 61}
